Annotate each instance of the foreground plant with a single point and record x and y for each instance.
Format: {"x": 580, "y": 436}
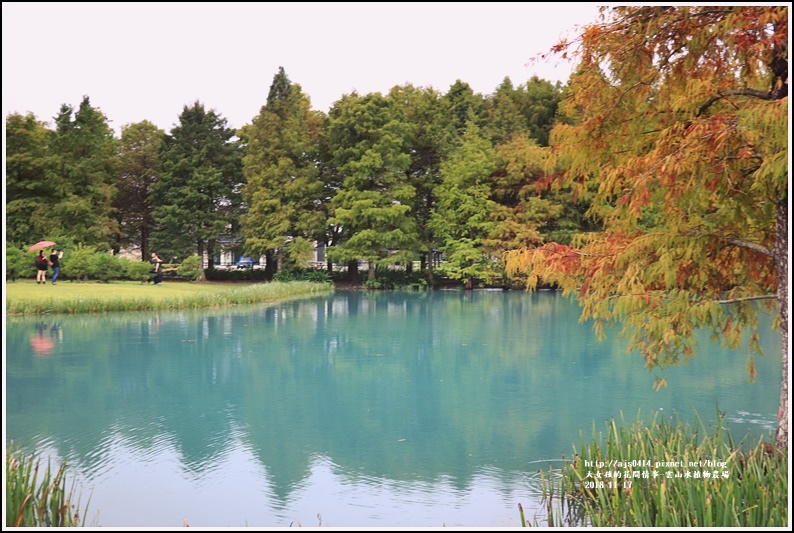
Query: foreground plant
{"x": 667, "y": 474}
{"x": 38, "y": 502}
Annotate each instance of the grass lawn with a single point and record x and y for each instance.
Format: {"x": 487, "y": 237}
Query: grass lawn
{"x": 26, "y": 297}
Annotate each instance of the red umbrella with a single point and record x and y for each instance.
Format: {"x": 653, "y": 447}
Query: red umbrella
{"x": 41, "y": 244}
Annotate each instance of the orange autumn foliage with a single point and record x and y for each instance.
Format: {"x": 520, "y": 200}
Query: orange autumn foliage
{"x": 676, "y": 131}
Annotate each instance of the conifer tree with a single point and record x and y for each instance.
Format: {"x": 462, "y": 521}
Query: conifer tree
{"x": 374, "y": 204}
{"x": 429, "y": 137}
{"x": 82, "y": 175}
{"x": 465, "y": 214}
{"x": 283, "y": 190}
{"x": 198, "y": 193}
{"x": 30, "y": 195}
{"x": 139, "y": 168}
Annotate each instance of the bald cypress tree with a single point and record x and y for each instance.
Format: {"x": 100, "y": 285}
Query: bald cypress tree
{"x": 681, "y": 140}
{"x": 374, "y": 204}
{"x": 283, "y": 190}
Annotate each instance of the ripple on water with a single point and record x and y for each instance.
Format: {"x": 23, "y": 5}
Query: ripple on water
{"x": 768, "y": 421}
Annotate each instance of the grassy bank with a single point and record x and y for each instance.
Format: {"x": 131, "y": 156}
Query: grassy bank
{"x": 668, "y": 474}
{"x": 25, "y": 297}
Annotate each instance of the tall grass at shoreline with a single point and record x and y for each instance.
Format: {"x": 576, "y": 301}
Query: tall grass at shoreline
{"x": 35, "y": 497}
{"x": 668, "y": 474}
{"x": 29, "y": 298}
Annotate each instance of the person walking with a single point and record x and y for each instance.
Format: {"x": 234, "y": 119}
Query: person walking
{"x": 158, "y": 268}
{"x": 41, "y": 268}
{"x": 55, "y": 263}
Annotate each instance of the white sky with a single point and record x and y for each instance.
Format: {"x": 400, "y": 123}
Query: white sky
{"x": 146, "y": 61}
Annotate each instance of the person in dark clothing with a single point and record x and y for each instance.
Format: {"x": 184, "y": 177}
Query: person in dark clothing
{"x": 158, "y": 268}
{"x": 55, "y": 264}
{"x": 41, "y": 268}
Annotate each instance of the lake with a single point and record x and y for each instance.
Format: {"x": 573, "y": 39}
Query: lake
{"x": 356, "y": 409}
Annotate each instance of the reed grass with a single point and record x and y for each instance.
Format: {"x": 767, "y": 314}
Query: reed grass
{"x": 28, "y": 298}
{"x": 668, "y": 474}
{"x": 33, "y": 501}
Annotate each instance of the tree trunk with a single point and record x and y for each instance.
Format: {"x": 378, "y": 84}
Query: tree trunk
{"x": 144, "y": 244}
{"x": 270, "y": 267}
{"x": 211, "y": 245}
{"x": 780, "y": 257}
{"x": 352, "y": 270}
{"x": 200, "y": 249}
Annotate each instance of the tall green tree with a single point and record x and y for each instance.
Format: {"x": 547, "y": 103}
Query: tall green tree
{"x": 529, "y": 109}
{"x": 82, "y": 174}
{"x": 198, "y": 195}
{"x": 682, "y": 125}
{"x": 464, "y": 106}
{"x": 538, "y": 101}
{"x": 505, "y": 120}
{"x": 373, "y": 206}
{"x": 332, "y": 180}
{"x": 139, "y": 168}
{"x": 464, "y": 215}
{"x": 429, "y": 136}
{"x": 30, "y": 195}
{"x": 283, "y": 189}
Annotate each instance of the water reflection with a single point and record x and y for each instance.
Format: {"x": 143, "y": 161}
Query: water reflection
{"x": 43, "y": 340}
{"x": 386, "y": 409}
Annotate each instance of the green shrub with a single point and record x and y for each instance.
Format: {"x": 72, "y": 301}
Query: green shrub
{"x": 17, "y": 263}
{"x": 191, "y": 268}
{"x": 303, "y": 274}
{"x": 396, "y": 279}
{"x": 285, "y": 275}
{"x": 373, "y": 284}
{"x": 135, "y": 270}
{"x": 246, "y": 274}
{"x": 78, "y": 263}
{"x": 316, "y": 275}
{"x": 105, "y": 267}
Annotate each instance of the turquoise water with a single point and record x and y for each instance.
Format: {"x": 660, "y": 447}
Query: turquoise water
{"x": 352, "y": 410}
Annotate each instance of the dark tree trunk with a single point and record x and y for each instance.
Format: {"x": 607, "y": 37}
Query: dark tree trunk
{"x": 270, "y": 266}
{"x": 352, "y": 270}
{"x": 144, "y": 243}
{"x": 211, "y": 254}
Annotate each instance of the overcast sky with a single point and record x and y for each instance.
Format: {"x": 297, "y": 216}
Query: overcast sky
{"x": 146, "y": 61}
